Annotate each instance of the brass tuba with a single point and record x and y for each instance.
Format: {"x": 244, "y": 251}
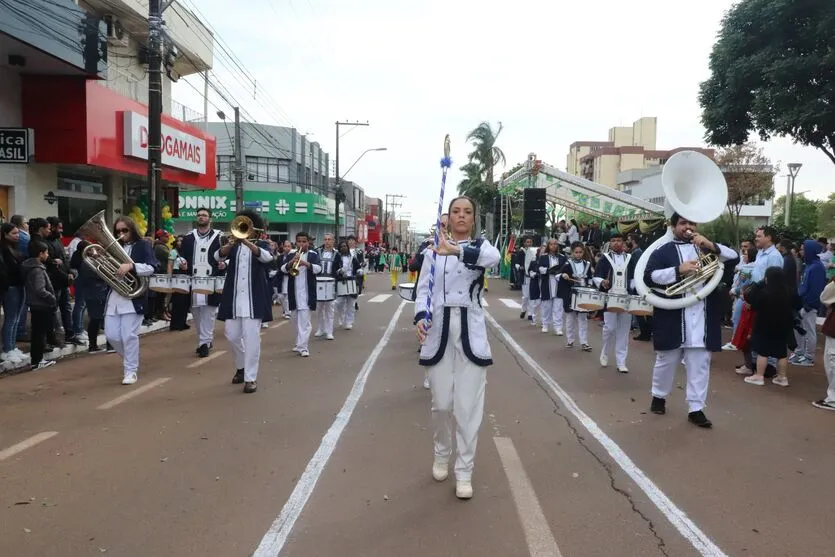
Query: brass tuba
{"x": 104, "y": 255}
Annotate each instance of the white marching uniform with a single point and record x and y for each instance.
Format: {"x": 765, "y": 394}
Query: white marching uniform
{"x": 529, "y": 306}
{"x": 692, "y": 350}
{"x": 616, "y": 326}
{"x": 578, "y": 320}
{"x": 122, "y": 322}
{"x": 204, "y": 314}
{"x": 345, "y": 305}
{"x": 325, "y": 310}
{"x": 552, "y": 309}
{"x": 457, "y": 364}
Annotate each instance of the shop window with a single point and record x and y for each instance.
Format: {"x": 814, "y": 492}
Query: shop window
{"x": 225, "y": 164}
{"x": 75, "y": 211}
{"x": 80, "y": 185}
{"x": 263, "y": 169}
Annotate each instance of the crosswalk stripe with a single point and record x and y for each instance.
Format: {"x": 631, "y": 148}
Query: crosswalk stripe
{"x": 379, "y": 298}
{"x": 513, "y": 304}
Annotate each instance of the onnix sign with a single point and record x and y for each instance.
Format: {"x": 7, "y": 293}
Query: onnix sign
{"x": 179, "y": 149}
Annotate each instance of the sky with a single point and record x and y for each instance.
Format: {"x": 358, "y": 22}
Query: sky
{"x": 551, "y": 72}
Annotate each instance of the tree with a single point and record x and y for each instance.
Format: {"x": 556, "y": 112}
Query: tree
{"x": 478, "y": 183}
{"x": 804, "y": 215}
{"x": 750, "y": 178}
{"x": 826, "y": 217}
{"x": 772, "y": 71}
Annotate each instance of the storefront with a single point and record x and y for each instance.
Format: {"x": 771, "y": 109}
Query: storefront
{"x": 91, "y": 150}
{"x": 285, "y": 213}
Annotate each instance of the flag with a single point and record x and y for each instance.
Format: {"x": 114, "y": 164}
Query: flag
{"x": 511, "y": 247}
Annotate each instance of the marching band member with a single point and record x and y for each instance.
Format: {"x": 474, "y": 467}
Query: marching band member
{"x": 324, "y": 310}
{"x": 123, "y": 316}
{"x": 197, "y": 256}
{"x": 301, "y": 290}
{"x": 352, "y": 246}
{"x": 245, "y": 301}
{"x": 550, "y": 265}
{"x": 576, "y": 272}
{"x": 281, "y": 278}
{"x": 688, "y": 334}
{"x": 456, "y": 349}
{"x": 614, "y": 274}
{"x": 534, "y": 294}
{"x": 347, "y": 268}
{"x": 523, "y": 268}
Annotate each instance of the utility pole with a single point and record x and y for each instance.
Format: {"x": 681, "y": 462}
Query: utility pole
{"x": 154, "y": 114}
{"x": 393, "y": 196}
{"x": 338, "y": 194}
{"x": 239, "y": 164}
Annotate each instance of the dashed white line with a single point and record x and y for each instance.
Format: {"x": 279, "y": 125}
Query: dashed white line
{"x": 511, "y": 303}
{"x": 677, "y": 517}
{"x": 275, "y": 538}
{"x": 541, "y": 542}
{"x": 26, "y": 444}
{"x": 134, "y": 393}
{"x": 379, "y": 298}
{"x": 208, "y": 358}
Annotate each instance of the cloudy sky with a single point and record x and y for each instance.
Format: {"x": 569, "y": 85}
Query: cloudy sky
{"x": 552, "y": 72}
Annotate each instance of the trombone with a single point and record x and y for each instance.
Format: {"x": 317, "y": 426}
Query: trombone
{"x": 241, "y": 228}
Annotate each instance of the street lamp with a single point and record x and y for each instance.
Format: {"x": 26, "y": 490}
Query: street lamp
{"x": 794, "y": 169}
{"x": 339, "y": 195}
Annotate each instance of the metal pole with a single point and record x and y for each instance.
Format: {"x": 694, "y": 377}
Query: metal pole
{"x": 206, "y": 101}
{"x": 154, "y": 114}
{"x": 336, "y": 189}
{"x": 239, "y": 163}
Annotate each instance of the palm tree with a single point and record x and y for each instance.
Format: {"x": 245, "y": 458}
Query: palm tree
{"x": 486, "y": 155}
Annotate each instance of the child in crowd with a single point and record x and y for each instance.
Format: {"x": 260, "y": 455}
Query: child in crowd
{"x": 42, "y": 301}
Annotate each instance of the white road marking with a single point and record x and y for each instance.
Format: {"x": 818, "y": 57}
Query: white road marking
{"x": 541, "y": 542}
{"x": 676, "y": 516}
{"x": 277, "y": 325}
{"x": 513, "y": 304}
{"x": 275, "y": 538}
{"x": 202, "y": 361}
{"x": 484, "y": 303}
{"x": 379, "y": 298}
{"x": 134, "y": 393}
{"x": 26, "y": 444}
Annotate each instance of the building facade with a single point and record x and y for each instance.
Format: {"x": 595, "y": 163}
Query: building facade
{"x": 646, "y": 184}
{"x": 78, "y": 91}
{"x": 628, "y": 148}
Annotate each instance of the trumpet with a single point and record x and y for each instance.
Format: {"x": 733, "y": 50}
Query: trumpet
{"x": 293, "y": 270}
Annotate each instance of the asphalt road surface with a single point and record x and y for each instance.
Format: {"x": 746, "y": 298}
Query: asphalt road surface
{"x": 332, "y": 456}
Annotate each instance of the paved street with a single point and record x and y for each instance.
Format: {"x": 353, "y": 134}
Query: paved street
{"x": 333, "y": 454}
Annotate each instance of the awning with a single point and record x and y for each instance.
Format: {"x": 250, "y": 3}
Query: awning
{"x": 581, "y": 195}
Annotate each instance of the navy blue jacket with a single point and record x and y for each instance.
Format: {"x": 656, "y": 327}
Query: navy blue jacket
{"x": 313, "y": 259}
{"x": 261, "y": 300}
{"x": 545, "y": 280}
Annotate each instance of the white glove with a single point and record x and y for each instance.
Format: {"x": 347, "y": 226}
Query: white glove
{"x": 272, "y": 274}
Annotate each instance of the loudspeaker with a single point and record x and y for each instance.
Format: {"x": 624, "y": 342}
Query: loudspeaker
{"x": 533, "y": 209}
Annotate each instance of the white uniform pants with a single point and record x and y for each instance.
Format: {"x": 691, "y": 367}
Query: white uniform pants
{"x": 285, "y": 304}
{"x": 457, "y": 392}
{"x": 697, "y": 364}
{"x": 345, "y": 309}
{"x": 806, "y": 344}
{"x": 829, "y": 367}
{"x": 324, "y": 314}
{"x": 552, "y": 314}
{"x": 244, "y": 336}
{"x": 616, "y": 326}
{"x": 577, "y": 320}
{"x": 204, "y": 318}
{"x": 122, "y": 332}
{"x": 301, "y": 320}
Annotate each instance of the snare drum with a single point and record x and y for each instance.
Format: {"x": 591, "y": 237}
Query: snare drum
{"x": 181, "y": 284}
{"x": 407, "y": 291}
{"x": 161, "y": 283}
{"x": 325, "y": 289}
{"x": 203, "y": 285}
{"x": 219, "y": 282}
{"x": 587, "y": 299}
{"x": 346, "y": 287}
{"x": 617, "y": 303}
{"x": 640, "y": 307}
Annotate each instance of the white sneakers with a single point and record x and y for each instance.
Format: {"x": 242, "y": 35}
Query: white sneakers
{"x": 130, "y": 379}
{"x": 464, "y": 489}
{"x": 604, "y": 360}
{"x": 440, "y": 471}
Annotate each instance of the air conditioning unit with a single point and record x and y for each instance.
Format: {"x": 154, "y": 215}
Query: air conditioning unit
{"x": 116, "y": 35}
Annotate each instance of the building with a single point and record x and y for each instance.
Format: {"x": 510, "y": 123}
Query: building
{"x": 352, "y": 210}
{"x": 73, "y": 96}
{"x": 646, "y": 184}
{"x": 628, "y": 148}
{"x": 374, "y": 220}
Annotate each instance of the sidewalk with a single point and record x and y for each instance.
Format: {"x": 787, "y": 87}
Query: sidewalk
{"x": 7, "y": 368}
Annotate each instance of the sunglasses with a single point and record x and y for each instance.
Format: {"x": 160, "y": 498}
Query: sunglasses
{"x": 122, "y": 231}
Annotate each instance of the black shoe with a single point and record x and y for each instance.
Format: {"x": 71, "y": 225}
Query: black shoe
{"x": 642, "y": 338}
{"x": 96, "y": 350}
{"x": 658, "y": 406}
{"x": 238, "y": 378}
{"x": 356, "y": 306}
{"x": 522, "y": 315}
{"x": 203, "y": 351}
{"x": 250, "y": 387}
{"x": 698, "y": 418}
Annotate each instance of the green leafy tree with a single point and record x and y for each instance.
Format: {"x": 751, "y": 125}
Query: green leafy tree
{"x": 826, "y": 217}
{"x": 750, "y": 179}
{"x": 773, "y": 72}
{"x": 478, "y": 182}
{"x": 803, "y": 218}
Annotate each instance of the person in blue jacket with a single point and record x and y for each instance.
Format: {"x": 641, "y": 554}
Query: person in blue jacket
{"x": 809, "y": 290}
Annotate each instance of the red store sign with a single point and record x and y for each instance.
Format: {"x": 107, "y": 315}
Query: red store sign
{"x": 80, "y": 122}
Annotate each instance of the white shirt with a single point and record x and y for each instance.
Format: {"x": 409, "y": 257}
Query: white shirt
{"x": 347, "y": 268}
{"x": 118, "y": 304}
{"x": 242, "y": 296}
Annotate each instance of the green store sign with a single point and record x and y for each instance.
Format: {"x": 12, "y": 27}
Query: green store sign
{"x": 273, "y": 206}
